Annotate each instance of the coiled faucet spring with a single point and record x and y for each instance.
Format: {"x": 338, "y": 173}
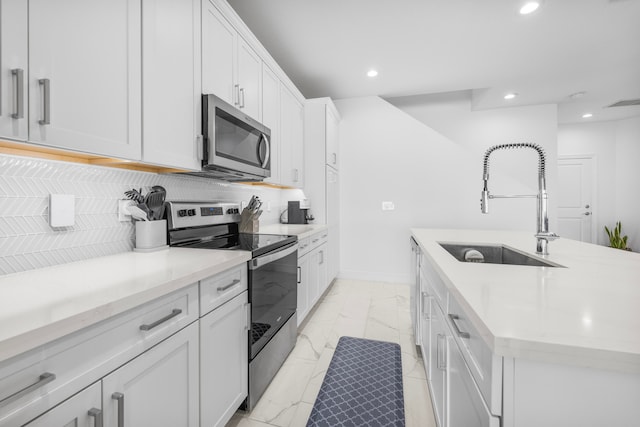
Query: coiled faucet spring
{"x": 543, "y": 235}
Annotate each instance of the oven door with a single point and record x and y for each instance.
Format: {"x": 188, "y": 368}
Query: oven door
{"x": 273, "y": 293}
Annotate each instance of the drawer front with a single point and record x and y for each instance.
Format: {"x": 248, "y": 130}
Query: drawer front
{"x": 466, "y": 405}
{"x": 304, "y": 246}
{"x": 485, "y": 367}
{"x": 218, "y": 289}
{"x": 436, "y": 286}
{"x": 33, "y": 382}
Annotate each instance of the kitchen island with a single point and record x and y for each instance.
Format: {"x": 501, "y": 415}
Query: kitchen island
{"x": 548, "y": 345}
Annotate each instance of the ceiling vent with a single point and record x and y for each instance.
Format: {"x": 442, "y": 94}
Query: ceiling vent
{"x": 625, "y": 103}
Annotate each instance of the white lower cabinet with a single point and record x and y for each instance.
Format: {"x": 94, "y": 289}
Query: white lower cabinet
{"x": 313, "y": 277}
{"x": 81, "y": 410}
{"x": 303, "y": 287}
{"x": 158, "y": 388}
{"x": 224, "y": 361}
{"x": 446, "y": 342}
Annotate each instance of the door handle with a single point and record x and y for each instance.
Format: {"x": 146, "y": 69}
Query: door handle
{"x": 587, "y": 206}
{"x": 119, "y": 398}
{"x": 587, "y": 213}
{"x": 18, "y": 84}
{"x": 46, "y": 101}
{"x": 96, "y": 414}
{"x": 441, "y": 361}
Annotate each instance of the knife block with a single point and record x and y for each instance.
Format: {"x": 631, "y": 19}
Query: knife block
{"x": 248, "y": 222}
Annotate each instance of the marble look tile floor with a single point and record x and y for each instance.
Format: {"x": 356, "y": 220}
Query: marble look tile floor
{"x": 359, "y": 309}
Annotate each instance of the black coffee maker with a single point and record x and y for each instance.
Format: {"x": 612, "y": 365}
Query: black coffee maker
{"x": 298, "y": 212}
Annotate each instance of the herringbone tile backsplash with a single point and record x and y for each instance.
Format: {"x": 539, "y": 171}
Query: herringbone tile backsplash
{"x": 27, "y": 241}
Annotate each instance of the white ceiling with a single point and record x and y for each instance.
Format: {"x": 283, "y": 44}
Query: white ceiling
{"x": 434, "y": 46}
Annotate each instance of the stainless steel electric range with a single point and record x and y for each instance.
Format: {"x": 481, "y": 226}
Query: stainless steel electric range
{"x": 272, "y": 281}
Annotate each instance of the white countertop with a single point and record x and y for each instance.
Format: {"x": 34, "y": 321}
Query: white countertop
{"x": 41, "y": 305}
{"x": 300, "y": 230}
{"x": 586, "y": 314}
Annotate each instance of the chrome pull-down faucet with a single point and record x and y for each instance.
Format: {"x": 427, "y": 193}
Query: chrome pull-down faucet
{"x": 543, "y": 235}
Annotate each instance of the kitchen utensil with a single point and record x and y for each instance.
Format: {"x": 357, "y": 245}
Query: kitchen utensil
{"x": 135, "y": 195}
{"x": 144, "y": 208}
{"x": 155, "y": 202}
{"x": 138, "y": 213}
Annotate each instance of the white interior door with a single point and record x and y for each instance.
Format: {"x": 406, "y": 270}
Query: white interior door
{"x": 576, "y": 198}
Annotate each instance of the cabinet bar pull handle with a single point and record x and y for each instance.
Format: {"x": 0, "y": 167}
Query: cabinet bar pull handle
{"x": 295, "y": 175}
{"x": 96, "y": 414}
{"x": 299, "y": 274}
{"x": 335, "y": 158}
{"x": 321, "y": 257}
{"x": 241, "y": 98}
{"x": 119, "y": 398}
{"x": 224, "y": 288}
{"x": 427, "y": 316}
{"x": 18, "y": 85}
{"x": 248, "y": 316}
{"x": 173, "y": 314}
{"x": 460, "y": 333}
{"x": 46, "y": 101}
{"x": 440, "y": 361}
{"x": 43, "y": 379}
{"x": 236, "y": 94}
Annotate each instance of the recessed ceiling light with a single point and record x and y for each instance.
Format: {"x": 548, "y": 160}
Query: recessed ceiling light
{"x": 510, "y": 95}
{"x": 587, "y": 115}
{"x": 372, "y": 73}
{"x": 529, "y": 7}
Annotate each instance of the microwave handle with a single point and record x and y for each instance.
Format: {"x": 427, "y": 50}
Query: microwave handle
{"x": 263, "y": 138}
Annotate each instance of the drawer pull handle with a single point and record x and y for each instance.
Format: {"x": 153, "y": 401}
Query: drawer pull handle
{"x": 119, "y": 398}
{"x": 299, "y": 274}
{"x": 96, "y": 414}
{"x": 460, "y": 333}
{"x": 224, "y": 288}
{"x": 45, "y": 378}
{"x": 315, "y": 240}
{"x": 173, "y": 314}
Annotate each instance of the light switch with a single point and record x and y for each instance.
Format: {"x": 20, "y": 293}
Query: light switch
{"x": 62, "y": 210}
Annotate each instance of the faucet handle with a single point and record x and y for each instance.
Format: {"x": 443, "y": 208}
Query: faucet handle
{"x": 549, "y": 236}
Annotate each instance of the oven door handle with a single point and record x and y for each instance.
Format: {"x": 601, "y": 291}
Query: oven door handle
{"x": 258, "y": 262}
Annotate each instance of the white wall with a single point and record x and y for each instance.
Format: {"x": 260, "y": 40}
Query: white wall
{"x": 616, "y": 149}
{"x": 434, "y": 181}
{"x": 628, "y": 179}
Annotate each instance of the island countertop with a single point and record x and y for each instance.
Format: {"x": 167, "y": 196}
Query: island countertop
{"x": 587, "y": 313}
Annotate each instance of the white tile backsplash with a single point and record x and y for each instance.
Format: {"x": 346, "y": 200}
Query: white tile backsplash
{"x": 28, "y": 242}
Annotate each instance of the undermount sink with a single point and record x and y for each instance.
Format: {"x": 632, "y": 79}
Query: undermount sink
{"x": 493, "y": 254}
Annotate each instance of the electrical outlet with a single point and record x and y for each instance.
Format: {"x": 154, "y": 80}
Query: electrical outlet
{"x": 123, "y": 212}
{"x": 388, "y": 206}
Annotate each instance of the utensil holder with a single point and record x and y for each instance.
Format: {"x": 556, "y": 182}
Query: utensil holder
{"x": 151, "y": 236}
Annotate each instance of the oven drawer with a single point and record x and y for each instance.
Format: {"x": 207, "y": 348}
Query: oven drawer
{"x": 35, "y": 381}
{"x": 218, "y": 289}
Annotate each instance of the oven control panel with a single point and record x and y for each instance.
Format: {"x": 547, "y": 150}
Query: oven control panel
{"x": 195, "y": 214}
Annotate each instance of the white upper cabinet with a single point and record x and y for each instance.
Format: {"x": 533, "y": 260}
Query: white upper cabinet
{"x": 292, "y": 137}
{"x": 85, "y": 75}
{"x": 271, "y": 118}
{"x": 332, "y": 136}
{"x": 218, "y": 54}
{"x": 171, "y": 83}
{"x": 13, "y": 69}
{"x": 231, "y": 69}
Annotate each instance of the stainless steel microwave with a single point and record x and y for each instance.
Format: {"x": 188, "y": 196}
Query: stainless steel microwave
{"x": 236, "y": 147}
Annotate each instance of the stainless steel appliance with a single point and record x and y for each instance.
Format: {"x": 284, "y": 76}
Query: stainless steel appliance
{"x": 272, "y": 281}
{"x": 236, "y": 147}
